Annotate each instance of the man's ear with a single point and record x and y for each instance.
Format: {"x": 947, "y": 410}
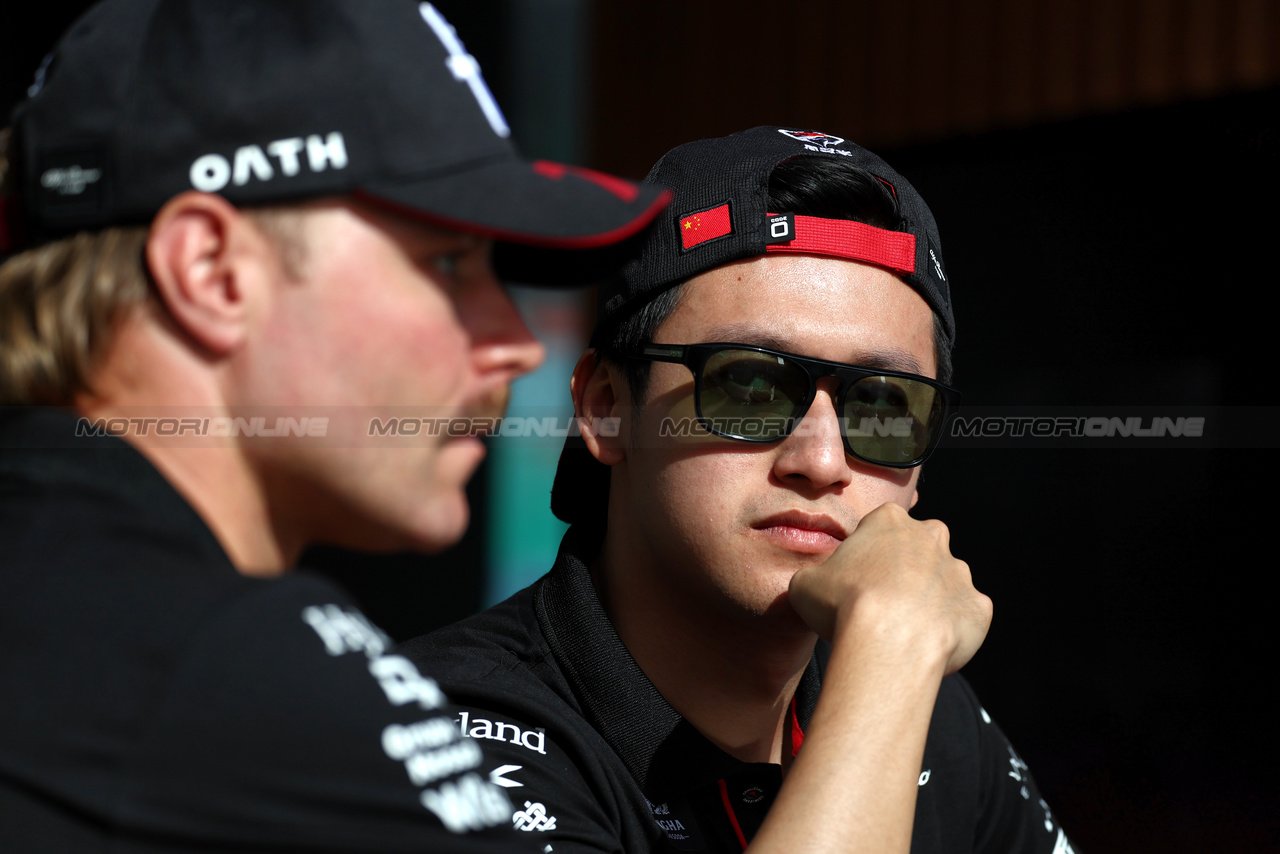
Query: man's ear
{"x": 196, "y": 251}
{"x": 596, "y": 390}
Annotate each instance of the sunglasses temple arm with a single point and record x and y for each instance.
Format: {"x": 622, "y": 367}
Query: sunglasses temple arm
{"x": 674, "y": 354}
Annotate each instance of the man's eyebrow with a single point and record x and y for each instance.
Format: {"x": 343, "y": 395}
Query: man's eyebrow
{"x": 888, "y": 360}
{"x": 891, "y": 359}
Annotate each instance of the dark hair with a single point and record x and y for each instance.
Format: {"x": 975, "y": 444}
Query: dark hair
{"x": 811, "y": 186}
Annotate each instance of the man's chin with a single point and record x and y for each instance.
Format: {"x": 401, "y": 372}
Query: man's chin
{"x": 439, "y": 529}
{"x": 436, "y": 526}
{"x": 781, "y": 617}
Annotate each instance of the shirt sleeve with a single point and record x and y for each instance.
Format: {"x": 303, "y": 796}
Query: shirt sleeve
{"x": 1012, "y": 816}
{"x": 291, "y": 723}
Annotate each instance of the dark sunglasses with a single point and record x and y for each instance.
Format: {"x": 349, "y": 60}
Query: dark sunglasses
{"x": 757, "y": 395}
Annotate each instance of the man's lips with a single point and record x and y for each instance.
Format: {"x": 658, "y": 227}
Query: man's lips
{"x": 799, "y": 531}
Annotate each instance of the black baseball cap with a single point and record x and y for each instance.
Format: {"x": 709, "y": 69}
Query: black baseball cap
{"x": 268, "y": 101}
{"x": 719, "y": 214}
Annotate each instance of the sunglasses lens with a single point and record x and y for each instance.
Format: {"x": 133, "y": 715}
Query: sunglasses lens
{"x": 890, "y": 419}
{"x": 758, "y": 396}
{"x": 750, "y": 395}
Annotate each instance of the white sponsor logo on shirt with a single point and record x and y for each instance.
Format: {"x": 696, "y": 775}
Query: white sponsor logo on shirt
{"x": 533, "y": 817}
{"x": 495, "y": 730}
{"x": 469, "y": 804}
{"x": 431, "y": 749}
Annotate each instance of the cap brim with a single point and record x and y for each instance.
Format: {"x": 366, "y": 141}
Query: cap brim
{"x": 555, "y": 224}
{"x": 538, "y": 265}
{"x": 540, "y": 204}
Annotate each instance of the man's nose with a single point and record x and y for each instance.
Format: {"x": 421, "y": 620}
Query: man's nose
{"x": 814, "y": 452}
{"x": 501, "y": 339}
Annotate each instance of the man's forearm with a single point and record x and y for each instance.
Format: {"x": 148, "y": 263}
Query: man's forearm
{"x": 853, "y": 785}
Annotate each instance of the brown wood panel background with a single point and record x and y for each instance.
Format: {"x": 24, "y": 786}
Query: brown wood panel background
{"x": 888, "y": 73}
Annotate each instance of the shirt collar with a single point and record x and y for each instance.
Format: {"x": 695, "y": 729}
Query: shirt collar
{"x": 54, "y": 448}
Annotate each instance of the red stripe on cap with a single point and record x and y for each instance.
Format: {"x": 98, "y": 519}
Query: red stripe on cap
{"x": 623, "y": 189}
{"x": 857, "y": 241}
{"x": 705, "y": 225}
{"x": 587, "y": 241}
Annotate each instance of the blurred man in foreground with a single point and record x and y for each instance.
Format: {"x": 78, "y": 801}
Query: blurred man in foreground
{"x": 233, "y": 233}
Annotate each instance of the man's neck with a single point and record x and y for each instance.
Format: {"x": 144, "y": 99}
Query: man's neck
{"x": 731, "y": 675}
{"x": 218, "y": 484}
{"x": 216, "y": 479}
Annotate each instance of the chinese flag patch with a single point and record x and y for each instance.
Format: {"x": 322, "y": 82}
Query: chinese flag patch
{"x": 705, "y": 225}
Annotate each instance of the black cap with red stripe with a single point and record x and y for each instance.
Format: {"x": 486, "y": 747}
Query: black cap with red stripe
{"x": 719, "y": 214}
{"x": 267, "y": 101}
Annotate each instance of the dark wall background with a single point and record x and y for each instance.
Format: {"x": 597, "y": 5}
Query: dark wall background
{"x": 1113, "y": 263}
{"x": 1105, "y": 176}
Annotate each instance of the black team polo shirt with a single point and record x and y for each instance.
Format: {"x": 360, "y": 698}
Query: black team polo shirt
{"x": 154, "y": 699}
{"x": 595, "y": 759}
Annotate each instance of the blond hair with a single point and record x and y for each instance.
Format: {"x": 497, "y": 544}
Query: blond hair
{"x": 62, "y": 302}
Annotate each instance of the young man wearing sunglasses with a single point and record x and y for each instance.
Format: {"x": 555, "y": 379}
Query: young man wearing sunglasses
{"x": 232, "y": 234}
{"x": 763, "y": 385}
